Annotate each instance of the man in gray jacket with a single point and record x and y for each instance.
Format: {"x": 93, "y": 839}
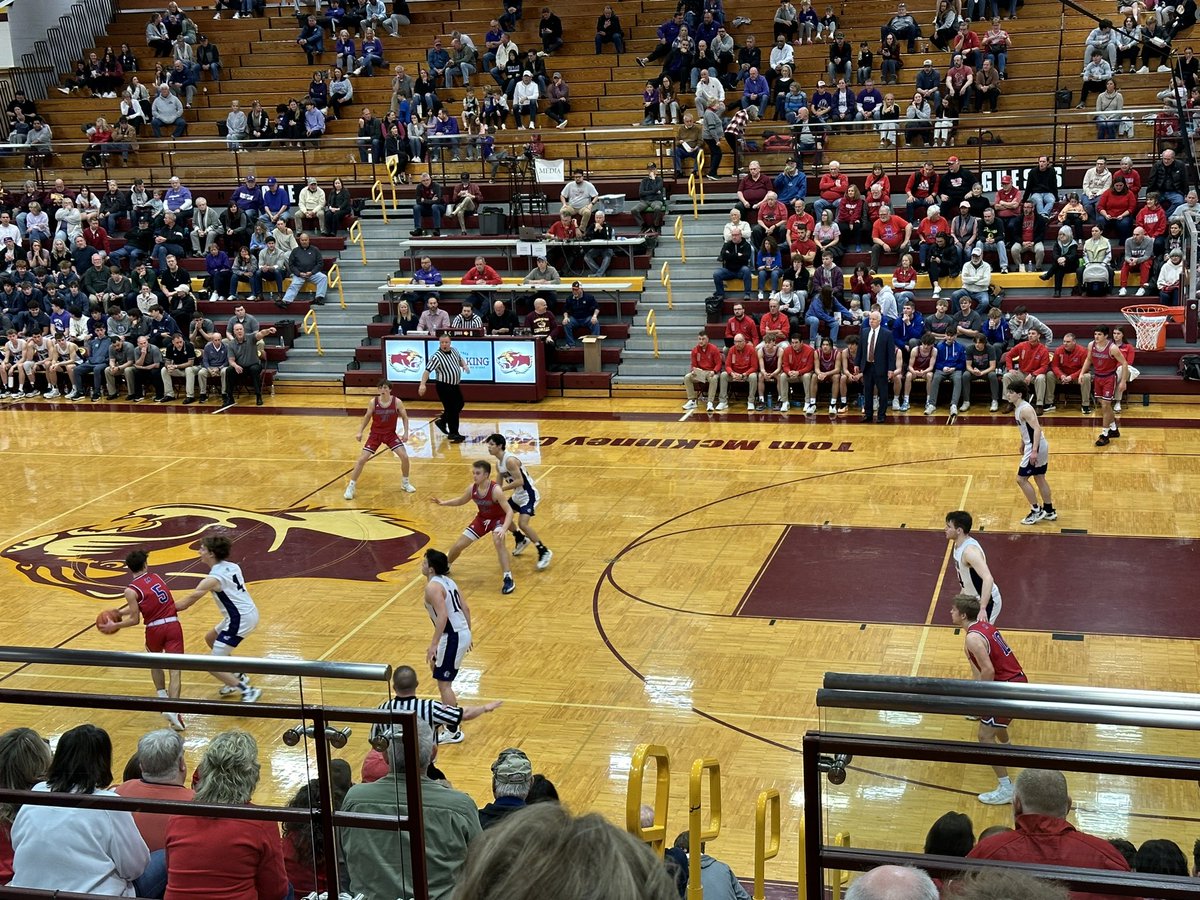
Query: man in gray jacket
{"x": 272, "y": 265}
{"x": 167, "y": 111}
{"x": 716, "y": 878}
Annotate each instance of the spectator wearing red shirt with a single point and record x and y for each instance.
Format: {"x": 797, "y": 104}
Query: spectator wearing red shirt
{"x": 930, "y": 227}
{"x": 799, "y": 217}
{"x": 875, "y": 201}
{"x": 96, "y": 237}
{"x": 799, "y": 364}
{"x": 774, "y": 320}
{"x": 164, "y": 777}
{"x": 878, "y": 177}
{"x": 1153, "y": 219}
{"x": 889, "y": 234}
{"x": 565, "y": 229}
{"x": 481, "y": 273}
{"x": 772, "y": 221}
{"x": 741, "y": 366}
{"x": 920, "y": 190}
{"x": 752, "y": 191}
{"x": 1066, "y": 366}
{"x": 1008, "y": 206}
{"x": 832, "y": 188}
{"x": 706, "y": 369}
{"x": 1043, "y": 836}
{"x": 234, "y": 859}
{"x": 740, "y": 323}
{"x": 1115, "y": 209}
{"x": 804, "y": 252}
{"x": 1128, "y": 174}
{"x": 967, "y": 43}
{"x": 1029, "y": 362}
{"x": 851, "y": 216}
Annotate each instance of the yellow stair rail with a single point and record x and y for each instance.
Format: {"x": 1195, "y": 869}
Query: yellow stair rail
{"x": 652, "y": 330}
{"x": 664, "y": 277}
{"x": 309, "y": 324}
{"x": 377, "y": 196}
{"x": 766, "y": 838}
{"x": 356, "y": 237}
{"x": 700, "y": 172}
{"x": 334, "y": 277}
{"x": 692, "y": 192}
{"x": 679, "y": 237}
{"x": 392, "y": 163}
{"x": 655, "y": 834}
{"x": 837, "y": 878}
{"x": 698, "y": 834}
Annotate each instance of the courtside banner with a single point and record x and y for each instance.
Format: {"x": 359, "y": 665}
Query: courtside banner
{"x": 549, "y": 171}
{"x": 498, "y": 361}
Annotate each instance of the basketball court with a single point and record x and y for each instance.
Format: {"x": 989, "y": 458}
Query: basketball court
{"x": 708, "y": 570}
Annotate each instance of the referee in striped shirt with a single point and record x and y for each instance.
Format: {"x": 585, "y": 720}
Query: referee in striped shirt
{"x": 448, "y": 367}
{"x": 446, "y": 721}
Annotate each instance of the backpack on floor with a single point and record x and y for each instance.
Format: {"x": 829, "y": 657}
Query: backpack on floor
{"x": 1189, "y": 367}
{"x": 714, "y": 306}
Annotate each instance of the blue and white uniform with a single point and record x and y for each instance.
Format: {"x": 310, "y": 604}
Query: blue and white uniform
{"x": 971, "y": 581}
{"x": 1033, "y": 462}
{"x": 524, "y": 497}
{"x": 240, "y": 613}
{"x": 455, "y": 639}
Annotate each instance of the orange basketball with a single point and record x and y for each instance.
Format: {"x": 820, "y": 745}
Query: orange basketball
{"x": 107, "y": 620}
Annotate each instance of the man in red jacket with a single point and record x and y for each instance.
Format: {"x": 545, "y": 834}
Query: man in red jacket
{"x": 740, "y": 323}
{"x": 776, "y": 321}
{"x": 1028, "y": 362}
{"x": 741, "y": 365}
{"x": 799, "y": 363}
{"x": 1066, "y": 367}
{"x": 1044, "y": 836}
{"x": 706, "y": 369}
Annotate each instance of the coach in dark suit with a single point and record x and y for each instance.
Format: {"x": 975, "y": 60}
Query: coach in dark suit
{"x": 876, "y": 353}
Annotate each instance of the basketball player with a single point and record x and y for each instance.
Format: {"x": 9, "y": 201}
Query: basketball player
{"x": 1035, "y": 455}
{"x": 381, "y": 416}
{"x": 992, "y": 660}
{"x": 524, "y": 499}
{"x": 494, "y": 515}
{"x": 974, "y": 577}
{"x": 228, "y": 587}
{"x": 149, "y": 598}
{"x": 451, "y": 625}
{"x": 1111, "y": 376}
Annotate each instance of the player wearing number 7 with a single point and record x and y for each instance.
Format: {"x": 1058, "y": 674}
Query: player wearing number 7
{"x": 228, "y": 587}
{"x": 494, "y": 516}
{"x": 381, "y": 416}
{"x": 149, "y": 598}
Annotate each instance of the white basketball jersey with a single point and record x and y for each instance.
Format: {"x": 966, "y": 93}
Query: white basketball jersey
{"x": 1043, "y": 452}
{"x": 456, "y": 620}
{"x": 968, "y": 579}
{"x": 231, "y": 593}
{"x": 525, "y": 490}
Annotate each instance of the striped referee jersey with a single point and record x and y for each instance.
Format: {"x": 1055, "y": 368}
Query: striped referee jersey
{"x": 431, "y": 711}
{"x": 446, "y": 366}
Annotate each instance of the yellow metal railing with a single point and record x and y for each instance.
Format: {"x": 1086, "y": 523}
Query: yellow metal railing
{"x": 652, "y": 330}
{"x": 766, "y": 838}
{"x": 698, "y": 833}
{"x": 334, "y": 276}
{"x": 664, "y": 276}
{"x": 392, "y": 163}
{"x": 377, "y": 196}
{"x": 700, "y": 172}
{"x": 694, "y": 194}
{"x": 356, "y": 237}
{"x": 679, "y": 237}
{"x": 655, "y": 834}
{"x": 837, "y": 878}
{"x": 309, "y": 324}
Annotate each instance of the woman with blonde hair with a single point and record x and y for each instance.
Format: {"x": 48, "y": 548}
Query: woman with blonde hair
{"x": 225, "y": 857}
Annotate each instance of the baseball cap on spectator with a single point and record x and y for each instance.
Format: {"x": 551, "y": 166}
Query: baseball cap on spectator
{"x": 464, "y": 176}
{"x": 251, "y": 177}
{"x": 820, "y": 84}
{"x": 977, "y": 250}
{"x": 1006, "y": 179}
{"x": 272, "y": 180}
{"x": 512, "y": 766}
{"x": 964, "y": 205}
{"x": 526, "y": 74}
{"x": 952, "y": 159}
{"x": 312, "y": 180}
{"x": 576, "y": 284}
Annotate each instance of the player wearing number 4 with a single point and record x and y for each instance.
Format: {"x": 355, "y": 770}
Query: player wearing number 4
{"x": 228, "y": 588}
{"x": 991, "y": 660}
{"x": 524, "y": 499}
{"x": 381, "y": 415}
{"x": 149, "y": 598}
{"x": 1035, "y": 456}
{"x": 494, "y": 517}
{"x": 451, "y": 626}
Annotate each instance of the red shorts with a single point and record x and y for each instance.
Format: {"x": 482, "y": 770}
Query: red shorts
{"x": 1105, "y": 387}
{"x": 481, "y": 525}
{"x": 375, "y": 441}
{"x": 165, "y": 638}
{"x": 1002, "y": 721}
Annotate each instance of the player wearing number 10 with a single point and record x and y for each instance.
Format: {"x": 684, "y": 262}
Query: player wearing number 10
{"x": 228, "y": 587}
{"x": 451, "y": 628}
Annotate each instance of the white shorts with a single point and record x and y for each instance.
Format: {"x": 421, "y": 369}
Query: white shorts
{"x": 233, "y": 629}
{"x": 451, "y": 650}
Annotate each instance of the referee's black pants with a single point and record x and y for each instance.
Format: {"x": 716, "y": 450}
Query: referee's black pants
{"x": 452, "y": 403}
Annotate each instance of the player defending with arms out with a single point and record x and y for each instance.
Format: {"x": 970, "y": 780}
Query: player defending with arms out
{"x": 1108, "y": 383}
{"x": 524, "y": 499}
{"x": 974, "y": 577}
{"x": 494, "y": 516}
{"x": 1035, "y": 455}
{"x": 149, "y": 598}
{"x": 451, "y": 628}
{"x": 381, "y": 415}
{"x": 992, "y": 660}
{"x": 240, "y": 615}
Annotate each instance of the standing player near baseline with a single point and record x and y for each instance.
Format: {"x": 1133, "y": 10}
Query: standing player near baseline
{"x": 149, "y": 598}
{"x": 494, "y": 516}
{"x": 228, "y": 587}
{"x": 1111, "y": 376}
{"x": 381, "y": 415}
{"x": 974, "y": 577}
{"x": 524, "y": 499}
{"x": 451, "y": 628}
{"x": 1035, "y": 455}
{"x": 992, "y": 660}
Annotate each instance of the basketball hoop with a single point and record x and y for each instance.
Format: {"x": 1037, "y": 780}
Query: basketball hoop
{"x": 1148, "y": 322}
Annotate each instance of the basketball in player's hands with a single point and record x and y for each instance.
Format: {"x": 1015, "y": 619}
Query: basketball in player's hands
{"x": 107, "y": 621}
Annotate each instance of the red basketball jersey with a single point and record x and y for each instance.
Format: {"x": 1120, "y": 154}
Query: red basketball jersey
{"x": 383, "y": 418}
{"x": 488, "y": 508}
{"x": 1004, "y": 661}
{"x": 1102, "y": 362}
{"x": 154, "y": 598}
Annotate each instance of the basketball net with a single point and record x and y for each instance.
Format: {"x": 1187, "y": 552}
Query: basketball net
{"x": 1147, "y": 322}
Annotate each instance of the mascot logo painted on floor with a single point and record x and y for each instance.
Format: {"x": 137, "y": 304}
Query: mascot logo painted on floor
{"x": 305, "y": 542}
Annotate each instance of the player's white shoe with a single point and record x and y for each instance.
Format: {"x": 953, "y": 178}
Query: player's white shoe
{"x": 349, "y": 495}
{"x": 1035, "y": 516}
{"x": 1049, "y": 516}
{"x": 407, "y": 487}
{"x": 784, "y": 406}
{"x": 250, "y": 694}
{"x": 998, "y": 797}
{"x": 227, "y": 690}
{"x": 691, "y": 404}
{"x": 929, "y": 409}
{"x": 953, "y": 410}
{"x": 174, "y": 720}
{"x": 1117, "y": 406}
{"x": 896, "y": 404}
{"x": 450, "y": 737}
{"x": 544, "y": 559}
{"x": 710, "y": 406}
